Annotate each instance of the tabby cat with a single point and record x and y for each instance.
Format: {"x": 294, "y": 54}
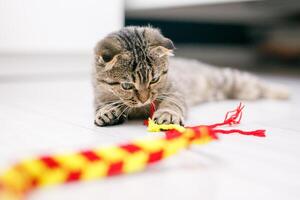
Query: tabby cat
{"x": 132, "y": 69}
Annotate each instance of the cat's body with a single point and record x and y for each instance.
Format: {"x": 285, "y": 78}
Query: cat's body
{"x": 133, "y": 69}
{"x": 200, "y": 82}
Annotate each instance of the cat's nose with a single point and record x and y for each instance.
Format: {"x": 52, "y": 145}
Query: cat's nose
{"x": 143, "y": 96}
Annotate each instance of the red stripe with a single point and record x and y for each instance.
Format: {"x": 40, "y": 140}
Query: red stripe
{"x": 90, "y": 155}
{"x": 212, "y": 133}
{"x": 131, "y": 148}
{"x": 33, "y": 183}
{"x": 115, "y": 169}
{"x": 73, "y": 176}
{"x": 50, "y": 162}
{"x": 154, "y": 157}
{"x": 171, "y": 134}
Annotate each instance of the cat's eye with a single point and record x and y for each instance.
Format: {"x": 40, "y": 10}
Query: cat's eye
{"x": 127, "y": 86}
{"x": 155, "y": 80}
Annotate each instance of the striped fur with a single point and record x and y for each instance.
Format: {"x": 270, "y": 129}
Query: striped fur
{"x": 132, "y": 68}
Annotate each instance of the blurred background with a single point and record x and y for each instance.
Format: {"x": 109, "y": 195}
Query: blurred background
{"x": 255, "y": 35}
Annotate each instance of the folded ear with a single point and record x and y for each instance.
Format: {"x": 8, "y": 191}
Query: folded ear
{"x": 167, "y": 43}
{"x": 106, "y": 53}
{"x": 164, "y": 47}
{"x": 161, "y": 51}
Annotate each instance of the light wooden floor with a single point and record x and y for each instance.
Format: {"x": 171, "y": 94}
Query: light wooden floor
{"x": 46, "y": 106}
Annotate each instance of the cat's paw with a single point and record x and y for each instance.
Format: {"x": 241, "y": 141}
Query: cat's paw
{"x": 167, "y": 117}
{"x": 108, "y": 117}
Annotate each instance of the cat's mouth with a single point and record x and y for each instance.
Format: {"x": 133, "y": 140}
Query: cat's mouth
{"x": 138, "y": 104}
{"x": 135, "y": 103}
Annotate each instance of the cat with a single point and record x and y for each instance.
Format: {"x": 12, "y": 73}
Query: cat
{"x": 133, "y": 68}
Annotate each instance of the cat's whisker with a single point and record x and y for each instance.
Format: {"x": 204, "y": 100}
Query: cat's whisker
{"x": 166, "y": 94}
{"x": 113, "y": 103}
{"x": 114, "y": 107}
{"x": 111, "y": 106}
{"x": 126, "y": 108}
{"x": 172, "y": 100}
{"x": 168, "y": 98}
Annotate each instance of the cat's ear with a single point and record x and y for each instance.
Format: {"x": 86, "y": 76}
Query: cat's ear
{"x": 161, "y": 51}
{"x": 163, "y": 47}
{"x": 168, "y": 44}
{"x": 107, "y": 52}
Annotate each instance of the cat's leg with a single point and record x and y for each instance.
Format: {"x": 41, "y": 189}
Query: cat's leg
{"x": 242, "y": 85}
{"x": 110, "y": 113}
{"x": 171, "y": 109}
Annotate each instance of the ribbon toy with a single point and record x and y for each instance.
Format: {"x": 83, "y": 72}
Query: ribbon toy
{"x": 23, "y": 177}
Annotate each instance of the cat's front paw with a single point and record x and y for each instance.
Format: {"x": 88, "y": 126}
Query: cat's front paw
{"x": 167, "y": 117}
{"x": 108, "y": 117}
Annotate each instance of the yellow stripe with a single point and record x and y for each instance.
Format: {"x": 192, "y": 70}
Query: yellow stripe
{"x": 94, "y": 170}
{"x": 174, "y": 145}
{"x": 188, "y": 133}
{"x": 33, "y": 166}
{"x": 53, "y": 176}
{"x": 153, "y": 127}
{"x": 112, "y": 153}
{"x": 151, "y": 145}
{"x": 135, "y": 162}
{"x": 71, "y": 161}
{"x": 15, "y": 179}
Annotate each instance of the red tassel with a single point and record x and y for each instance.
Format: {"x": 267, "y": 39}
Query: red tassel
{"x": 258, "y": 133}
{"x": 146, "y": 122}
{"x": 231, "y": 118}
{"x": 152, "y": 110}
{"x": 234, "y": 118}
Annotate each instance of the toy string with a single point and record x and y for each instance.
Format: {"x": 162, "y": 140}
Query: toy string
{"x": 231, "y": 118}
{"x": 29, "y": 174}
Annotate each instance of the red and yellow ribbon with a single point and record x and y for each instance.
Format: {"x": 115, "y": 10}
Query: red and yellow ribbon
{"x": 29, "y": 174}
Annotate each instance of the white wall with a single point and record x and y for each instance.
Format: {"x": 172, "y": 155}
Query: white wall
{"x": 59, "y": 26}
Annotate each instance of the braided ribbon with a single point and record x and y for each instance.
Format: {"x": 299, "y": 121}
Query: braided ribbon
{"x": 25, "y": 176}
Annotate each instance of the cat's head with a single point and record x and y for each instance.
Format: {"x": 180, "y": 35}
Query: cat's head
{"x": 133, "y": 64}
